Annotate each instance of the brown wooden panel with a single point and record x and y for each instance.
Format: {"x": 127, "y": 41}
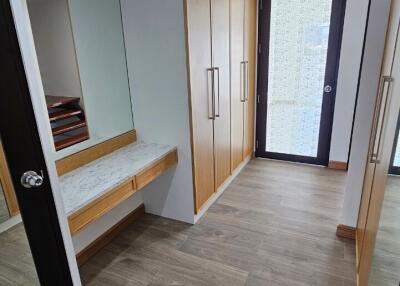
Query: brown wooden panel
{"x": 83, "y": 157}
{"x": 99, "y": 207}
{"x": 337, "y": 165}
{"x": 364, "y": 205}
{"x": 346, "y": 231}
{"x": 250, "y": 57}
{"x": 237, "y": 57}
{"x": 198, "y": 45}
{"x": 87, "y": 253}
{"x": 7, "y": 185}
{"x": 386, "y": 128}
{"x": 57, "y": 101}
{"x": 72, "y": 140}
{"x": 150, "y": 173}
{"x": 68, "y": 127}
{"x": 64, "y": 114}
{"x": 222, "y": 124}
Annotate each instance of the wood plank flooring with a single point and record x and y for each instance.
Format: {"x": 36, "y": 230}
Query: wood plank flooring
{"x": 16, "y": 263}
{"x": 4, "y": 214}
{"x": 274, "y": 225}
{"x": 386, "y": 261}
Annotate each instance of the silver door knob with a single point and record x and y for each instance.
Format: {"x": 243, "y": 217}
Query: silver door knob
{"x": 31, "y": 179}
{"x": 328, "y": 88}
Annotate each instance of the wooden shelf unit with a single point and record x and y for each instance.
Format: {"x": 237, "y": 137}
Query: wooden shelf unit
{"x": 68, "y": 121}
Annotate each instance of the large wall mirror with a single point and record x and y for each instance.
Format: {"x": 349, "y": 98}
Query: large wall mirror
{"x": 81, "y": 54}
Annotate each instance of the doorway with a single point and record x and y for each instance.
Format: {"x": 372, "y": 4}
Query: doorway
{"x": 299, "y": 49}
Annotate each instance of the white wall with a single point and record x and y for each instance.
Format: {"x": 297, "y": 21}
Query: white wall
{"x": 155, "y": 43}
{"x": 100, "y": 226}
{"x": 349, "y": 68}
{"x": 55, "y": 48}
{"x": 363, "y": 119}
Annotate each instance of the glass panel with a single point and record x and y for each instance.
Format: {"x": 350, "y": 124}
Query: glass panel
{"x": 298, "y": 49}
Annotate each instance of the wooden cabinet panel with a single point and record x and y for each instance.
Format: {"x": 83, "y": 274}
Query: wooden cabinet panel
{"x": 250, "y": 58}
{"x": 220, "y": 60}
{"x": 237, "y": 54}
{"x": 380, "y": 176}
{"x": 157, "y": 168}
{"x": 199, "y": 57}
{"x": 100, "y": 206}
{"x": 386, "y": 115}
{"x": 364, "y": 205}
{"x": 7, "y": 185}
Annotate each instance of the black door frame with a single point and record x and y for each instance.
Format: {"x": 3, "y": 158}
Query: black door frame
{"x": 328, "y": 102}
{"x": 23, "y": 150}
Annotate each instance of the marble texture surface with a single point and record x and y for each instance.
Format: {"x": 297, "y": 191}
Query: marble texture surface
{"x": 91, "y": 181}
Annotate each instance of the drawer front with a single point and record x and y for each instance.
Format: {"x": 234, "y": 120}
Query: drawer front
{"x": 148, "y": 175}
{"x": 100, "y": 206}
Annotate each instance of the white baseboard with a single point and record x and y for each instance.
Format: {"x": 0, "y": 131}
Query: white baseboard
{"x": 221, "y": 189}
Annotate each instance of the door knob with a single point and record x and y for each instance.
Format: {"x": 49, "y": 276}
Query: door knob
{"x": 328, "y": 88}
{"x": 31, "y": 179}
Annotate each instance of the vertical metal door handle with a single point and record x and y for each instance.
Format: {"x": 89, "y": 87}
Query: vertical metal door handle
{"x": 211, "y": 93}
{"x": 247, "y": 85}
{"x": 242, "y": 82}
{"x": 375, "y": 155}
{"x": 216, "y": 90}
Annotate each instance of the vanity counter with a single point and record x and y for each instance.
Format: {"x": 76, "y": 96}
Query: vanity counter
{"x": 125, "y": 170}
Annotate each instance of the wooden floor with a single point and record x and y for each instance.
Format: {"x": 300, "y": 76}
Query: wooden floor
{"x": 4, "y": 215}
{"x": 386, "y": 261}
{"x": 274, "y": 225}
{"x": 16, "y": 263}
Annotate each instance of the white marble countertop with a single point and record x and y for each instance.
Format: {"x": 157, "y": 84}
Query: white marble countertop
{"x": 89, "y": 182}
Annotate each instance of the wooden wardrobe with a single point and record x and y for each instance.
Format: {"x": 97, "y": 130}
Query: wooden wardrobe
{"x": 383, "y": 129}
{"x": 221, "y": 37}
{"x": 243, "y": 40}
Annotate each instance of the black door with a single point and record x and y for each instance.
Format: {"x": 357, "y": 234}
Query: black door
{"x": 23, "y": 151}
{"x": 297, "y": 73}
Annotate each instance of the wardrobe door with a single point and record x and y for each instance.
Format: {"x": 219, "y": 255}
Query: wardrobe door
{"x": 377, "y": 125}
{"x": 249, "y": 58}
{"x": 220, "y": 59}
{"x": 199, "y": 51}
{"x": 237, "y": 80}
{"x": 388, "y": 103}
{"x": 364, "y": 204}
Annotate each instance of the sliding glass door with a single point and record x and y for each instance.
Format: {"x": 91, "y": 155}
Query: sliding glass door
{"x": 299, "y": 55}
